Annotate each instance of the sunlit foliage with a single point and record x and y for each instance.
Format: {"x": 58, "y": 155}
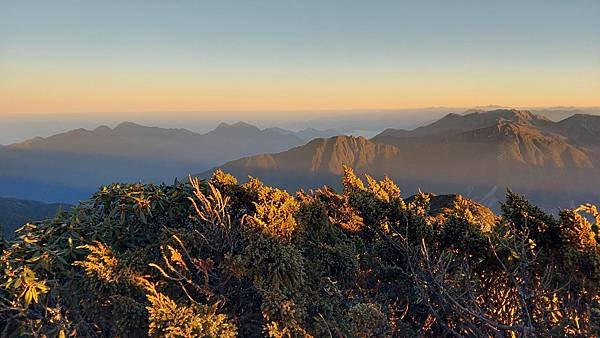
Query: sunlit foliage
{"x": 217, "y": 258}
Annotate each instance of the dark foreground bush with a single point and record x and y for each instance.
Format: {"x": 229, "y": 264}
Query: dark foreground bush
{"x": 220, "y": 259}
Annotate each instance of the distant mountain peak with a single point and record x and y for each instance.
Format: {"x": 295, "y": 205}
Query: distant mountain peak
{"x": 279, "y": 130}
{"x": 453, "y": 124}
{"x": 452, "y": 116}
{"x": 102, "y": 129}
{"x": 127, "y": 125}
{"x": 580, "y": 117}
{"x": 238, "y": 125}
{"x": 506, "y": 130}
{"x": 580, "y": 128}
{"x": 515, "y": 115}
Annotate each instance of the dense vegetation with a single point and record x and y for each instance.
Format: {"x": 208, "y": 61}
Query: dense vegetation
{"x": 219, "y": 259}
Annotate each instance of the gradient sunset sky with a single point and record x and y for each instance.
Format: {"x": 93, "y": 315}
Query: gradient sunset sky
{"x": 118, "y": 56}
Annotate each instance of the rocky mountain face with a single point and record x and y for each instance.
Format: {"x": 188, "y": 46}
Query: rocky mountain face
{"x": 326, "y": 155}
{"x": 478, "y": 154}
{"x": 455, "y": 123}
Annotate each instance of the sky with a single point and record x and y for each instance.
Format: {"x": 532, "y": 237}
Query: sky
{"x": 187, "y": 57}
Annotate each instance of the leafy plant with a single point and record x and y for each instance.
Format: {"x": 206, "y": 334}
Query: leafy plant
{"x": 221, "y": 259}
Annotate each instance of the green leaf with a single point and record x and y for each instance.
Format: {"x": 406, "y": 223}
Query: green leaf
{"x": 143, "y": 218}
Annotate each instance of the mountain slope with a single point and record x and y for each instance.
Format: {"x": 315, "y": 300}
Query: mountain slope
{"x": 14, "y": 213}
{"x": 456, "y": 123}
{"x": 317, "y": 161}
{"x": 325, "y": 155}
{"x": 479, "y": 155}
{"x": 506, "y": 145}
{"x": 580, "y": 129}
{"x": 511, "y": 143}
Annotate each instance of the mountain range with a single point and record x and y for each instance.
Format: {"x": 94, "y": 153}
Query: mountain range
{"x": 69, "y": 166}
{"x": 478, "y": 154}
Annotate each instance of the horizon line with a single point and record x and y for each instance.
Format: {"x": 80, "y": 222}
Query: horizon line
{"x": 315, "y": 110}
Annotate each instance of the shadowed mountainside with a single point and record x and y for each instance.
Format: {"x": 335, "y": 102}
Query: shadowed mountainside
{"x": 14, "y": 213}
{"x": 71, "y": 165}
{"x": 133, "y": 140}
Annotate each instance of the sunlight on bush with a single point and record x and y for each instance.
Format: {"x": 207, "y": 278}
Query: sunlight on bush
{"x": 221, "y": 259}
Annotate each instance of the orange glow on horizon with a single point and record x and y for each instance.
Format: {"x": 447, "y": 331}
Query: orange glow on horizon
{"x": 77, "y": 92}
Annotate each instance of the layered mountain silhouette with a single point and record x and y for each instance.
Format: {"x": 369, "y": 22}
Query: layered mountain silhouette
{"x": 478, "y": 154}
{"x": 69, "y": 166}
{"x": 128, "y": 139}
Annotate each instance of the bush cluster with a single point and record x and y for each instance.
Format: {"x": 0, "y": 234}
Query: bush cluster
{"x": 220, "y": 259}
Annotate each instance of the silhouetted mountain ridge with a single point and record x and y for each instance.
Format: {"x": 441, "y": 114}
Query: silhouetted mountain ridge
{"x": 81, "y": 159}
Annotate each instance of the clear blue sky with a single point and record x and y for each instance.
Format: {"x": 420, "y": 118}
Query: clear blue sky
{"x": 108, "y": 56}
